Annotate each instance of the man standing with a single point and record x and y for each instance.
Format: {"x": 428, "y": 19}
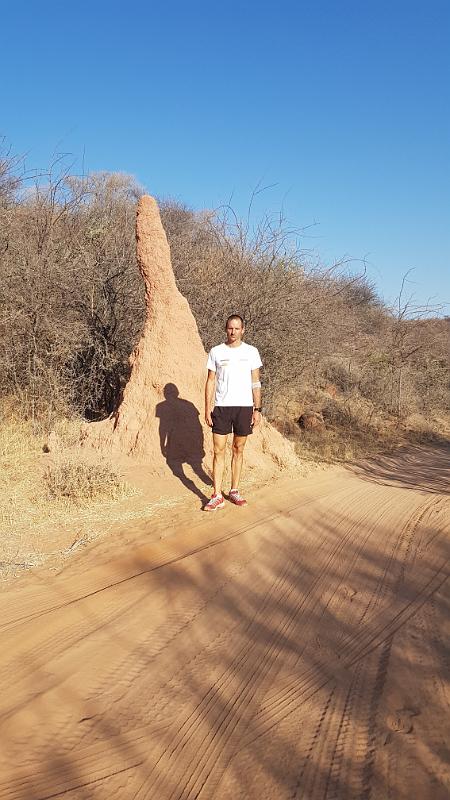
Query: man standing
{"x": 232, "y": 405}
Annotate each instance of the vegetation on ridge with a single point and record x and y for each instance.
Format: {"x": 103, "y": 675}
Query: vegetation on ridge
{"x": 72, "y": 308}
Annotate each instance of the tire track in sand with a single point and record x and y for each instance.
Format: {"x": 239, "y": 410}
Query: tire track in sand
{"x": 366, "y": 691}
{"x": 231, "y": 719}
{"x": 217, "y": 724}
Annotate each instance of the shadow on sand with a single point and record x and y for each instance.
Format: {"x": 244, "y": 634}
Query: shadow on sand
{"x": 425, "y": 469}
{"x": 317, "y": 679}
{"x": 181, "y": 438}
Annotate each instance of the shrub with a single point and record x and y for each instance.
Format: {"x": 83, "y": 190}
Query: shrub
{"x": 72, "y": 305}
{"x": 79, "y": 481}
{"x": 344, "y": 376}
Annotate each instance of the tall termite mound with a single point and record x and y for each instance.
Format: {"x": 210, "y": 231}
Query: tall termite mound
{"x": 160, "y": 417}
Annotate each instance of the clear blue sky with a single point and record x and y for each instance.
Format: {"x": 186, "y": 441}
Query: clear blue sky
{"x": 345, "y": 106}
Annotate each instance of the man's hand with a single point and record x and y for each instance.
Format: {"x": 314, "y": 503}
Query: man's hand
{"x": 256, "y": 418}
{"x": 208, "y": 419}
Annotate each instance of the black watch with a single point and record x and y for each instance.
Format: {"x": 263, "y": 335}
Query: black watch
{"x": 258, "y": 409}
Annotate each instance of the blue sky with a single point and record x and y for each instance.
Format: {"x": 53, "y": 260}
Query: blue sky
{"x": 344, "y": 106}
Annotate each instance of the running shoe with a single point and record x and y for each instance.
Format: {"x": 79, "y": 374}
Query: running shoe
{"x": 237, "y": 498}
{"x": 216, "y": 502}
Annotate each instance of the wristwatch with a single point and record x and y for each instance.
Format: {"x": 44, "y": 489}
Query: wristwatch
{"x": 258, "y": 409}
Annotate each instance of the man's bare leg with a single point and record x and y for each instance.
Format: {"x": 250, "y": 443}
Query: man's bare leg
{"x": 219, "y": 442}
{"x": 236, "y": 460}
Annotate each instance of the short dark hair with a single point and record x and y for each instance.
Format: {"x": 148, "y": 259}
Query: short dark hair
{"x": 234, "y": 316}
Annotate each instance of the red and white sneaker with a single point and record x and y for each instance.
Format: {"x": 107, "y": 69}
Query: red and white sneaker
{"x": 216, "y": 502}
{"x": 236, "y": 498}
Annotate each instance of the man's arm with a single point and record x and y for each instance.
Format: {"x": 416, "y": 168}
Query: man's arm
{"x": 163, "y": 436}
{"x": 256, "y": 419}
{"x": 209, "y": 396}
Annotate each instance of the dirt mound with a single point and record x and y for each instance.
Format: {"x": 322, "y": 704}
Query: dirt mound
{"x": 160, "y": 417}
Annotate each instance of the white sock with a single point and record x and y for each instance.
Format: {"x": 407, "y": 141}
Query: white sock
{"x": 234, "y": 490}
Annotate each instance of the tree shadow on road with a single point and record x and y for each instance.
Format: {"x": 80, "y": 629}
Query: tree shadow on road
{"x": 425, "y": 469}
{"x": 289, "y": 667}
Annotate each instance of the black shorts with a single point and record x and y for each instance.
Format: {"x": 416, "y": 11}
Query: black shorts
{"x": 232, "y": 419}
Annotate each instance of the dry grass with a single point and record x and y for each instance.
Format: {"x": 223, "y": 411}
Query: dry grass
{"x": 77, "y": 481}
{"x": 354, "y": 428}
{"x": 19, "y": 454}
{"x": 50, "y": 505}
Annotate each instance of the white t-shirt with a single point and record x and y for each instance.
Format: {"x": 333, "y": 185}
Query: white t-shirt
{"x": 233, "y": 367}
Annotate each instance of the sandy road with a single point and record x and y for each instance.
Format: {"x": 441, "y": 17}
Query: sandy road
{"x": 294, "y": 649}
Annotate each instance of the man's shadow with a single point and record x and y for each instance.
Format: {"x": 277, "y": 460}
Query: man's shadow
{"x": 181, "y": 438}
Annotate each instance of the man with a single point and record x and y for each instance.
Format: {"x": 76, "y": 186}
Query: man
{"x": 232, "y": 405}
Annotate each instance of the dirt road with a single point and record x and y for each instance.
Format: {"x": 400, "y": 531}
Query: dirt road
{"x": 296, "y": 648}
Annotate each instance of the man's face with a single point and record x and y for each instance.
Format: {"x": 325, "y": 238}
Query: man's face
{"x": 234, "y": 331}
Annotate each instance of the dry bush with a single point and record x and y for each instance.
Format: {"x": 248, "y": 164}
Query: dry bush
{"x": 353, "y": 426}
{"x": 35, "y": 526}
{"x": 327, "y": 448}
{"x": 26, "y": 489}
{"x": 73, "y": 302}
{"x": 344, "y": 374}
{"x": 79, "y": 481}
{"x": 296, "y": 313}
{"x": 313, "y": 326}
{"x": 72, "y": 306}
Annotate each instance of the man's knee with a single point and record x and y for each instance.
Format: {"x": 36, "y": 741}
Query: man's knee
{"x": 238, "y": 446}
{"x": 219, "y": 449}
